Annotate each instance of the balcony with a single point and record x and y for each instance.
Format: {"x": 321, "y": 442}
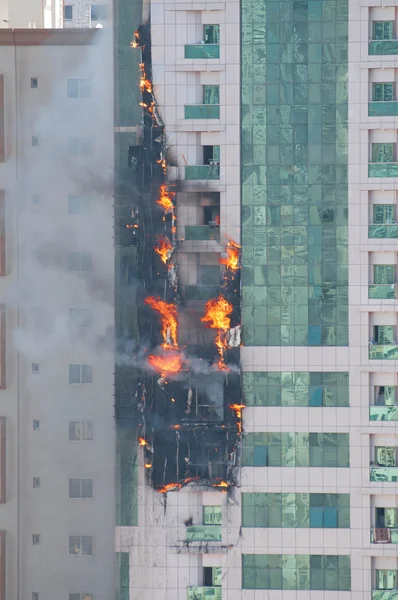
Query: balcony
{"x": 204, "y": 533}
{"x": 203, "y": 51}
{"x": 383, "y": 169}
{"x": 383, "y": 413}
{"x": 202, "y": 111}
{"x": 383, "y": 352}
{"x": 379, "y": 291}
{"x": 202, "y": 172}
{"x": 383, "y": 473}
{"x": 384, "y": 594}
{"x": 383, "y": 109}
{"x": 204, "y": 593}
{"x": 385, "y": 535}
{"x": 383, "y": 47}
{"x": 201, "y": 292}
{"x": 383, "y": 231}
{"x": 195, "y": 233}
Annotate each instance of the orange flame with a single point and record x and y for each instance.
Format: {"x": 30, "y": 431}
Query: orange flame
{"x": 145, "y": 84}
{"x": 217, "y": 316}
{"x": 217, "y": 220}
{"x": 221, "y": 484}
{"x": 232, "y": 260}
{"x": 176, "y": 486}
{"x": 164, "y": 249}
{"x": 238, "y": 410}
{"x": 143, "y": 442}
{"x": 175, "y": 427}
{"x": 169, "y": 364}
{"x": 163, "y": 164}
{"x": 135, "y": 43}
{"x": 165, "y": 199}
{"x": 148, "y": 465}
{"x": 169, "y": 323}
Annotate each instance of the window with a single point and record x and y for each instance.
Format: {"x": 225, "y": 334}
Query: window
{"x": 384, "y": 274}
{"x": 80, "y": 596}
{"x": 386, "y": 517}
{"x": 78, "y": 88}
{"x": 80, "y": 431}
{"x": 211, "y": 34}
{"x": 384, "y": 334}
{"x": 383, "y": 213}
{"x": 35, "y": 368}
{"x": 211, "y": 155}
{"x": 36, "y": 425}
{"x": 35, "y": 595}
{"x": 80, "y": 146}
{"x": 80, "y": 261}
{"x": 80, "y": 373}
{"x": 385, "y": 395}
{"x": 386, "y": 456}
{"x": 383, "y": 30}
{"x": 383, "y": 92}
{"x": 212, "y": 515}
{"x": 68, "y": 12}
{"x": 80, "y": 488}
{"x": 382, "y": 153}
{"x": 212, "y": 576}
{"x": 98, "y": 11}
{"x": 36, "y": 539}
{"x": 34, "y": 82}
{"x": 36, "y": 482}
{"x": 211, "y": 94}
{"x": 80, "y": 320}
{"x": 80, "y": 545}
{"x": 35, "y": 140}
{"x": 80, "y": 205}
{"x": 386, "y": 579}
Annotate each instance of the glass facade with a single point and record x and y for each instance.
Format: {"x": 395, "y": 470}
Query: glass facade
{"x": 296, "y": 510}
{"x": 204, "y": 533}
{"x": 296, "y": 572}
{"x": 123, "y": 565}
{"x": 294, "y": 172}
{"x": 295, "y": 388}
{"x": 295, "y": 450}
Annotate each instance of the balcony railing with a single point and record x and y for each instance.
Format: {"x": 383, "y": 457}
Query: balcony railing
{"x": 384, "y": 169}
{"x": 383, "y": 473}
{"x": 201, "y": 233}
{"x": 383, "y": 352}
{"x": 383, "y": 413}
{"x": 379, "y": 47}
{"x": 379, "y": 291}
{"x": 384, "y": 594}
{"x": 385, "y": 535}
{"x": 202, "y": 51}
{"x": 202, "y": 111}
{"x": 204, "y": 533}
{"x": 204, "y": 593}
{"x": 202, "y": 172}
{"x": 383, "y": 109}
{"x": 383, "y": 230}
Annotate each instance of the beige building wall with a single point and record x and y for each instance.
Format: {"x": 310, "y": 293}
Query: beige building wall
{"x": 31, "y": 13}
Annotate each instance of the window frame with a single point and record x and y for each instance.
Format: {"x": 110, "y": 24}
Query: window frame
{"x": 79, "y": 204}
{"x": 84, "y": 258}
{"x": 84, "y": 370}
{"x": 383, "y": 152}
{"x": 33, "y": 81}
{"x": 387, "y": 27}
{"x": 80, "y": 536}
{"x": 386, "y": 212}
{"x": 383, "y": 87}
{"x": 81, "y": 485}
{"x": 68, "y": 6}
{"x": 86, "y": 426}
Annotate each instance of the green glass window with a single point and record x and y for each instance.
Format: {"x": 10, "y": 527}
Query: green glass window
{"x": 384, "y": 334}
{"x": 386, "y": 579}
{"x": 212, "y": 515}
{"x": 296, "y": 572}
{"x": 383, "y": 30}
{"x": 383, "y": 92}
{"x": 211, "y": 94}
{"x": 383, "y": 213}
{"x": 211, "y": 154}
{"x": 386, "y": 456}
{"x": 295, "y": 450}
{"x": 384, "y": 274}
{"x": 386, "y": 517}
{"x": 211, "y": 34}
{"x": 385, "y": 395}
{"x": 382, "y": 153}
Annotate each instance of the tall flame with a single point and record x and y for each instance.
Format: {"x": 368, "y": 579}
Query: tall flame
{"x": 232, "y": 260}
{"x": 136, "y": 42}
{"x": 164, "y": 249}
{"x": 143, "y": 442}
{"x": 168, "y": 364}
{"x": 168, "y": 318}
{"x": 238, "y": 410}
{"x": 217, "y": 316}
{"x": 165, "y": 199}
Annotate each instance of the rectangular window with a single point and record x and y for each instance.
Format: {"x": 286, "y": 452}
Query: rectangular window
{"x": 35, "y": 595}
{"x": 80, "y": 596}
{"x": 80, "y": 545}
{"x": 384, "y": 334}
{"x": 385, "y": 395}
{"x": 98, "y": 11}
{"x": 212, "y": 515}
{"x": 80, "y": 205}
{"x": 211, "y": 34}
{"x": 383, "y": 92}
{"x": 68, "y": 12}
{"x": 384, "y": 274}
{"x": 386, "y": 518}
{"x": 382, "y": 153}
{"x": 383, "y": 30}
{"x": 36, "y": 539}
{"x": 35, "y": 140}
{"x": 80, "y": 146}
{"x": 383, "y": 213}
{"x": 36, "y": 482}
{"x": 35, "y": 368}
{"x": 80, "y": 261}
{"x": 211, "y": 94}
{"x": 80, "y": 488}
{"x": 386, "y": 456}
{"x": 386, "y": 579}
{"x": 80, "y": 373}
{"x": 80, "y": 321}
{"x": 78, "y": 88}
{"x": 36, "y": 425}
{"x": 80, "y": 431}
{"x": 34, "y": 82}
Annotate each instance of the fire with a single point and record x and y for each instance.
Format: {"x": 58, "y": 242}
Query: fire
{"x": 136, "y": 42}
{"x": 238, "y": 410}
{"x": 162, "y": 163}
{"x": 232, "y": 260}
{"x": 177, "y": 485}
{"x": 168, "y": 364}
{"x": 143, "y": 442}
{"x": 175, "y": 427}
{"x": 169, "y": 323}
{"x": 164, "y": 249}
{"x": 217, "y": 220}
{"x": 221, "y": 484}
{"x": 217, "y": 316}
{"x": 165, "y": 199}
{"x": 148, "y": 465}
{"x": 145, "y": 84}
